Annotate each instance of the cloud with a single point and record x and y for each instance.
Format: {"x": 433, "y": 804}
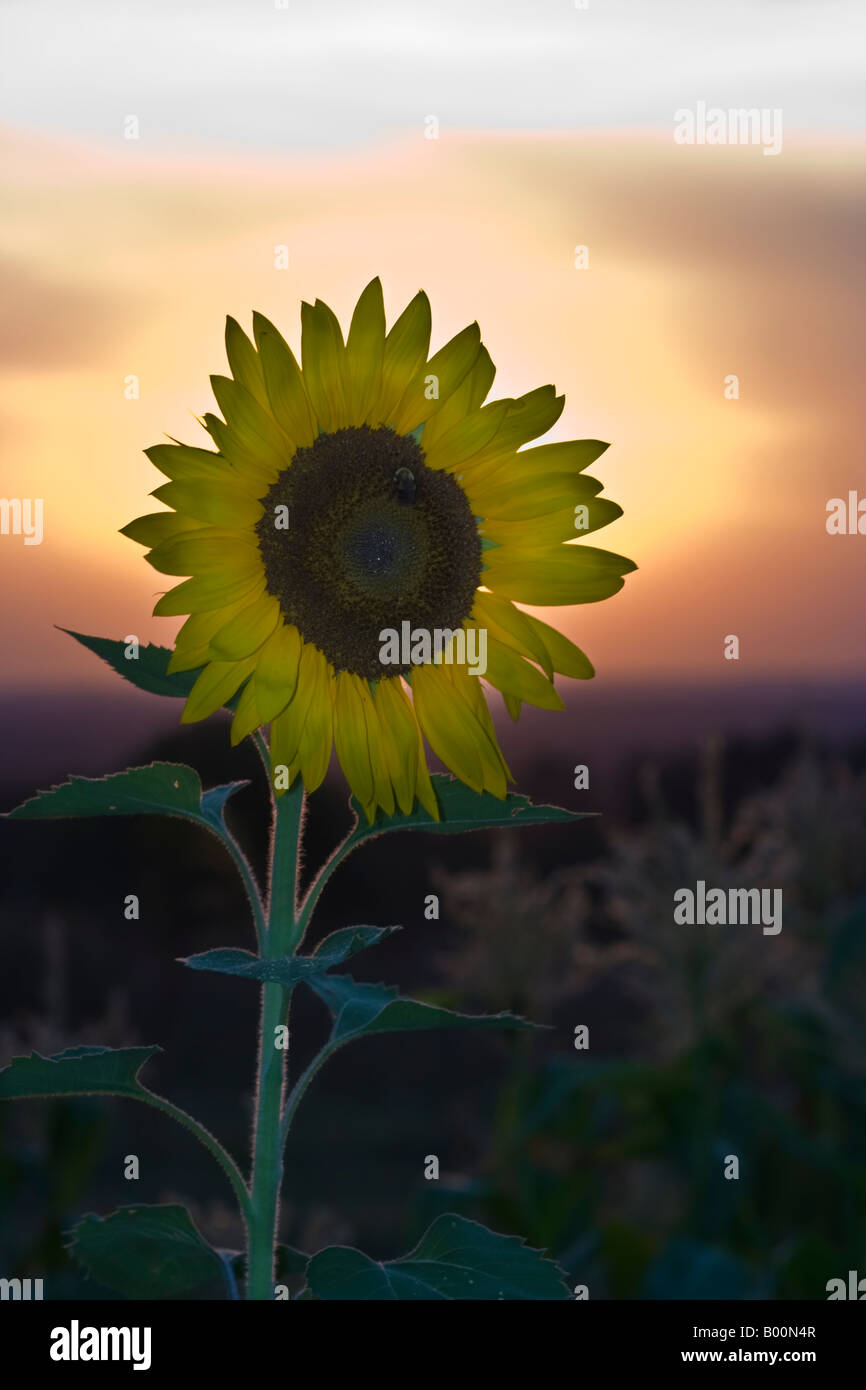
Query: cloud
{"x": 51, "y": 324}
{"x": 308, "y": 75}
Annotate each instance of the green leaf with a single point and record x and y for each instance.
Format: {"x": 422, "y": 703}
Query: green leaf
{"x": 348, "y": 941}
{"x": 361, "y": 1010}
{"x": 454, "y": 1259}
{"x": 146, "y": 1252}
{"x": 160, "y": 789}
{"x": 149, "y": 670}
{"x": 289, "y": 970}
{"x": 463, "y": 809}
{"x": 77, "y": 1071}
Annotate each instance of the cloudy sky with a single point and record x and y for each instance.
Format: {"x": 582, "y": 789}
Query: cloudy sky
{"x": 312, "y": 73}
{"x": 304, "y": 127}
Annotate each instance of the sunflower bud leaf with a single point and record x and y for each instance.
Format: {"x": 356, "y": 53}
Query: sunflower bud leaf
{"x": 361, "y": 1010}
{"x": 290, "y": 970}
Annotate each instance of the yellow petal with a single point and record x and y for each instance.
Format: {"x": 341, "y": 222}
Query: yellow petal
{"x": 563, "y": 574}
{"x": 526, "y": 466}
{"x": 156, "y": 527}
{"x": 566, "y": 523}
{"x": 244, "y": 363}
{"x": 284, "y": 744}
{"x": 468, "y": 397}
{"x": 323, "y": 357}
{"x": 217, "y": 683}
{"x": 443, "y": 374}
{"x": 246, "y": 631}
{"x": 316, "y": 741}
{"x": 494, "y": 767}
{"x": 565, "y": 657}
{"x": 192, "y": 644}
{"x": 509, "y": 673}
{"x": 217, "y": 504}
{"x": 377, "y": 737}
{"x": 512, "y": 496}
{"x": 441, "y": 724}
{"x": 208, "y": 548}
{"x": 512, "y": 705}
{"x": 528, "y": 487}
{"x": 277, "y": 671}
{"x": 284, "y": 384}
{"x": 467, "y": 437}
{"x": 365, "y": 349}
{"x": 452, "y": 728}
{"x": 257, "y": 464}
{"x": 186, "y": 463}
{"x": 423, "y": 783}
{"x": 505, "y": 622}
{"x": 405, "y": 353}
{"x": 247, "y": 718}
{"x": 350, "y": 736}
{"x": 528, "y": 417}
{"x": 397, "y": 719}
{"x": 254, "y": 426}
{"x": 206, "y": 591}
{"x": 567, "y": 456}
{"x": 288, "y": 727}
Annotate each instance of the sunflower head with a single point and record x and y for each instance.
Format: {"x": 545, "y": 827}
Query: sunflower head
{"x": 354, "y": 545}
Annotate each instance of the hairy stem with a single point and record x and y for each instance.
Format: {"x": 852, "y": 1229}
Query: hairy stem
{"x": 280, "y": 939}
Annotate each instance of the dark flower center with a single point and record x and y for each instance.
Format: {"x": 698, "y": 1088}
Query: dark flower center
{"x": 359, "y": 536}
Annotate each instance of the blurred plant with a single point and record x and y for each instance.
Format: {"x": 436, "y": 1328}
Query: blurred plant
{"x": 748, "y": 1045}
{"x": 49, "y": 1153}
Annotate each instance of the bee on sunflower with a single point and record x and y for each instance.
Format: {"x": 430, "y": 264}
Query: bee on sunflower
{"x": 369, "y": 487}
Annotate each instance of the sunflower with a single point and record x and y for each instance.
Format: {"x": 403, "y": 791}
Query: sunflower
{"x": 365, "y": 494}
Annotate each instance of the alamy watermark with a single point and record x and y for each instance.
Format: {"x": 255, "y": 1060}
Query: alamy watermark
{"x": 702, "y": 906}
{"x": 419, "y": 646}
{"x": 22, "y": 516}
{"x": 23, "y": 1290}
{"x": 77, "y": 1343}
{"x": 712, "y": 125}
{"x": 846, "y": 517}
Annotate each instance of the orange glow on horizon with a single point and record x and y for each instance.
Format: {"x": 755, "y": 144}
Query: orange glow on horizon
{"x": 692, "y": 276}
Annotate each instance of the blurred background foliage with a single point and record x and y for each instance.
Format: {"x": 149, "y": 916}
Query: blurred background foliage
{"x": 704, "y": 1041}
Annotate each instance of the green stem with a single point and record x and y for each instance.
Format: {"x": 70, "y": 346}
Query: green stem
{"x": 280, "y": 940}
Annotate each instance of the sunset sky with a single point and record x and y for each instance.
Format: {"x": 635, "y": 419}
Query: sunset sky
{"x": 305, "y": 126}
